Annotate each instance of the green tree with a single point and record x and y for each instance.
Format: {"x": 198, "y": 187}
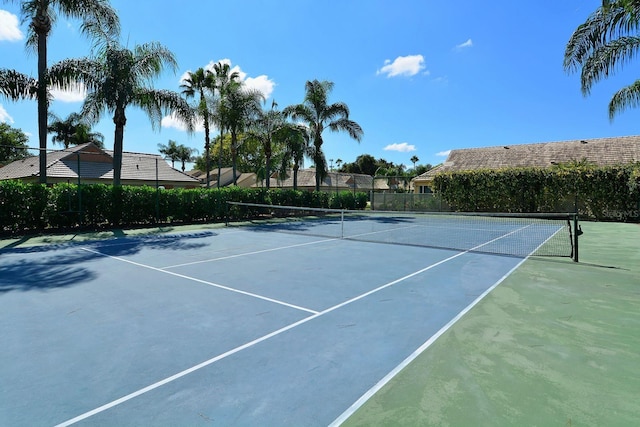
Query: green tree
{"x": 318, "y": 116}
{"x": 13, "y": 144}
{"x": 270, "y": 128}
{"x": 225, "y": 80}
{"x": 606, "y": 41}
{"x": 296, "y": 140}
{"x": 119, "y": 78}
{"x": 414, "y": 159}
{"x": 240, "y": 106}
{"x": 201, "y": 83}
{"x": 185, "y": 154}
{"x": 73, "y": 131}
{"x": 170, "y": 151}
{"x": 99, "y": 20}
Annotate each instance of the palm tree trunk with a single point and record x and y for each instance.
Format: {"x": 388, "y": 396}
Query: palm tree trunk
{"x": 234, "y": 154}
{"x": 220, "y": 155}
{"x": 207, "y": 143}
{"x": 42, "y": 104}
{"x": 267, "y": 168}
{"x": 120, "y": 120}
{"x": 295, "y": 176}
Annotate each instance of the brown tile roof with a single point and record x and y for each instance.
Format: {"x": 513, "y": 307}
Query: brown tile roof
{"x": 340, "y": 180}
{"x": 602, "y": 151}
{"x": 96, "y": 165}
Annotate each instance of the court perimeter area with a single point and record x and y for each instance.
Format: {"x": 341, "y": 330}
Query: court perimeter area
{"x": 554, "y": 343}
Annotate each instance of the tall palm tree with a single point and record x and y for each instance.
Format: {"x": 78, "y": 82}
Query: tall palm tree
{"x": 240, "y": 106}
{"x": 225, "y": 81}
{"x": 185, "y": 154}
{"x": 414, "y": 159}
{"x": 318, "y": 116}
{"x": 170, "y": 151}
{"x": 99, "y": 20}
{"x": 119, "y": 78}
{"x": 607, "y": 40}
{"x": 269, "y": 128}
{"x": 201, "y": 83}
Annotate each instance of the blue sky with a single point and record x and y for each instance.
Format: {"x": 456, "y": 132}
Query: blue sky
{"x": 421, "y": 77}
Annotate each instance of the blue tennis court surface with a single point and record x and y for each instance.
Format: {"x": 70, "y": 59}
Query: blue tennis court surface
{"x": 233, "y": 326}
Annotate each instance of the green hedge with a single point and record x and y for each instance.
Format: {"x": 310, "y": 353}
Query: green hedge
{"x": 602, "y": 193}
{"x": 32, "y": 207}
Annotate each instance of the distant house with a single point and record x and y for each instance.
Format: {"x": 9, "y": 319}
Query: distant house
{"x": 334, "y": 181}
{"x": 226, "y": 178}
{"x": 94, "y": 165}
{"x": 601, "y": 151}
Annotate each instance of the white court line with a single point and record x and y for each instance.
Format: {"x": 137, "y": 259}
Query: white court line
{"x": 215, "y": 285}
{"x": 256, "y": 341}
{"x": 395, "y": 371}
{"x": 248, "y": 253}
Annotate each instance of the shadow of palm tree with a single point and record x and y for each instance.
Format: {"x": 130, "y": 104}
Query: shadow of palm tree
{"x": 62, "y": 265}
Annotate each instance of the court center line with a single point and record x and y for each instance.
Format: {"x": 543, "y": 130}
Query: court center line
{"x": 215, "y": 285}
{"x": 257, "y": 340}
{"x": 248, "y": 253}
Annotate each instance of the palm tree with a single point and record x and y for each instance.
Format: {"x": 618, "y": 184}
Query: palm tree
{"x": 602, "y": 44}
{"x": 119, "y": 78}
{"x": 414, "y": 159}
{"x": 170, "y": 151}
{"x": 318, "y": 115}
{"x": 269, "y": 128}
{"x": 185, "y": 154}
{"x": 225, "y": 81}
{"x": 73, "y": 131}
{"x": 99, "y": 20}
{"x": 296, "y": 139}
{"x": 201, "y": 83}
{"x": 239, "y": 107}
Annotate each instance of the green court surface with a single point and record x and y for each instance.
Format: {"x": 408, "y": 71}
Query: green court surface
{"x": 555, "y": 344}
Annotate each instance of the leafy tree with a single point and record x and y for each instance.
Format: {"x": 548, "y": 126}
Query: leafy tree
{"x": 240, "y": 106}
{"x": 318, "y": 116}
{"x": 605, "y": 42}
{"x": 170, "y": 151}
{"x": 201, "y": 83}
{"x": 414, "y": 159}
{"x": 72, "y": 131}
{"x": 99, "y": 20}
{"x": 119, "y": 78}
{"x": 225, "y": 80}
{"x": 270, "y": 128}
{"x": 296, "y": 141}
{"x": 185, "y": 154}
{"x": 13, "y": 144}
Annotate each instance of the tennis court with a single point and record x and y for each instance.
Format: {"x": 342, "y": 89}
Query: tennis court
{"x": 236, "y": 325}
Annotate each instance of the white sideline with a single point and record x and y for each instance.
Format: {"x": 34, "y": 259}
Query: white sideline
{"x": 315, "y": 315}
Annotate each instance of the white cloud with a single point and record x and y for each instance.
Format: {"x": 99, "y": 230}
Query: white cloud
{"x": 9, "y": 27}
{"x": 467, "y": 44}
{"x": 174, "y": 122}
{"x": 77, "y": 93}
{"x": 443, "y": 153}
{"x": 402, "y": 147}
{"x": 403, "y": 66}
{"x": 262, "y": 83}
{"x": 4, "y": 116}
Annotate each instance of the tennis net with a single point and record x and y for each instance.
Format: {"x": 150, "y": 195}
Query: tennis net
{"x": 516, "y": 234}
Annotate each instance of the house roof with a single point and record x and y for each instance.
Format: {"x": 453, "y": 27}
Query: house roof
{"x": 601, "y": 152}
{"x": 307, "y": 179}
{"x": 96, "y": 164}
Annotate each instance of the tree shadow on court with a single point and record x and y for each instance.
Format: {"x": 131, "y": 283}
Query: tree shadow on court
{"x": 63, "y": 265}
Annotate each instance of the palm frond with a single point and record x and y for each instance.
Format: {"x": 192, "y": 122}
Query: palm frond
{"x": 16, "y": 86}
{"x": 627, "y": 97}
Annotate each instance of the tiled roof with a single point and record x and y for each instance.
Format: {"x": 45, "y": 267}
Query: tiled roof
{"x": 96, "y": 164}
{"x": 602, "y": 151}
{"x": 307, "y": 179}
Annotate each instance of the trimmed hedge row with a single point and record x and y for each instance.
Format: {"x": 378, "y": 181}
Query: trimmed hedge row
{"x": 29, "y": 207}
{"x": 602, "y": 193}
